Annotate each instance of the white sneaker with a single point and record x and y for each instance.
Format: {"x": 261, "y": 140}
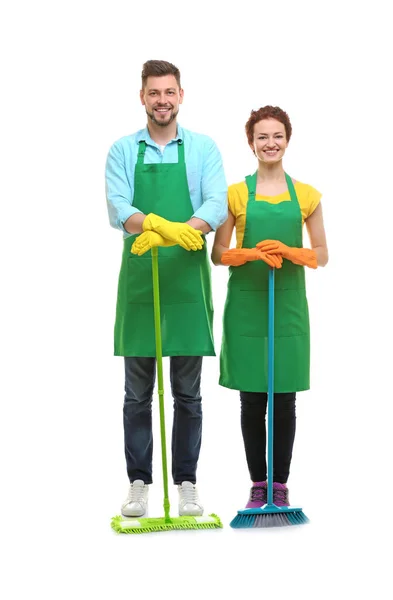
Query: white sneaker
{"x": 189, "y": 503}
{"x": 135, "y": 504}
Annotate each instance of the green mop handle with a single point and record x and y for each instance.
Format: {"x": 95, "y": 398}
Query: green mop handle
{"x": 270, "y": 389}
{"x": 157, "y": 325}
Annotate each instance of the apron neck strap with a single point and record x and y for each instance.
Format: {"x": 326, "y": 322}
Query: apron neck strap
{"x": 142, "y": 150}
{"x": 180, "y": 152}
{"x": 251, "y": 181}
{"x": 291, "y": 188}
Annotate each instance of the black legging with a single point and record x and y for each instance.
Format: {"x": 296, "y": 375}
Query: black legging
{"x": 253, "y": 423}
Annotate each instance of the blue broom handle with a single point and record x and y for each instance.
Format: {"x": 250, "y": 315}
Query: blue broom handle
{"x": 270, "y": 389}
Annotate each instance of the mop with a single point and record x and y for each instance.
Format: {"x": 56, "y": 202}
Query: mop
{"x": 166, "y": 523}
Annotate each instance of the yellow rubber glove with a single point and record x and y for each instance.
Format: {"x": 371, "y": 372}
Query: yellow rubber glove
{"x": 236, "y": 257}
{"x": 180, "y": 233}
{"x": 298, "y": 256}
{"x": 148, "y": 240}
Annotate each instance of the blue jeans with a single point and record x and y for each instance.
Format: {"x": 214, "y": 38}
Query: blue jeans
{"x": 185, "y": 377}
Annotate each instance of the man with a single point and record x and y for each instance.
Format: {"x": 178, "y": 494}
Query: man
{"x": 165, "y": 187}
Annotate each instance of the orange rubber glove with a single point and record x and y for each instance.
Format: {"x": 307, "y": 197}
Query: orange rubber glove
{"x": 298, "y": 256}
{"x": 239, "y": 256}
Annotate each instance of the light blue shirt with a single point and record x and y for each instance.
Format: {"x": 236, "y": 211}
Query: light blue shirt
{"x": 205, "y": 175}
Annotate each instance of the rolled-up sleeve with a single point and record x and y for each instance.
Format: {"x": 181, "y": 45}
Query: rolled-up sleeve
{"x": 119, "y": 194}
{"x": 214, "y": 209}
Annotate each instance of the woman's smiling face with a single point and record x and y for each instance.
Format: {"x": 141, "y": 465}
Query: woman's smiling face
{"x": 270, "y": 140}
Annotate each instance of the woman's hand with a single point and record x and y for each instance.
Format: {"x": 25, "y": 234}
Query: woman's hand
{"x": 237, "y": 257}
{"x": 298, "y": 256}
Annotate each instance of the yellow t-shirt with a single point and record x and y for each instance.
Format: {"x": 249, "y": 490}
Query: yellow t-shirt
{"x": 307, "y": 196}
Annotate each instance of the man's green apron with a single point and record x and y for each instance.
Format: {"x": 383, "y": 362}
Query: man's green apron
{"x": 245, "y": 326}
{"x": 185, "y": 285}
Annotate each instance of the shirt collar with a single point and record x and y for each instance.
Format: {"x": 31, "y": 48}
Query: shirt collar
{"x": 144, "y": 135}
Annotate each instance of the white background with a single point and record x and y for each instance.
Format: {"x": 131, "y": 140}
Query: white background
{"x": 70, "y": 83}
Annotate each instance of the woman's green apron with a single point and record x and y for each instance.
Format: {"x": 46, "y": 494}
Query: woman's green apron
{"x": 185, "y": 285}
{"x": 244, "y": 348}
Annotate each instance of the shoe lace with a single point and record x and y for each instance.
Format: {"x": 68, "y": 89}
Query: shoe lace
{"x": 189, "y": 494}
{"x": 258, "y": 493}
{"x": 281, "y": 495}
{"x": 135, "y": 493}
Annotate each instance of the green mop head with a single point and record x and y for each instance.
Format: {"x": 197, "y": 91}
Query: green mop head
{"x": 146, "y": 525}
{"x": 269, "y": 515}
{"x": 166, "y": 523}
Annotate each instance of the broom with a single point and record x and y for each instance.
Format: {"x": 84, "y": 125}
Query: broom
{"x": 166, "y": 523}
{"x": 270, "y": 515}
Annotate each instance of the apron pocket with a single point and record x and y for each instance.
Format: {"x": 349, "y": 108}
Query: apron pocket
{"x": 139, "y": 280}
{"x": 180, "y": 280}
{"x": 290, "y": 310}
{"x": 252, "y": 313}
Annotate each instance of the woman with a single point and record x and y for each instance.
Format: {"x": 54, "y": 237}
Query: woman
{"x": 268, "y": 210}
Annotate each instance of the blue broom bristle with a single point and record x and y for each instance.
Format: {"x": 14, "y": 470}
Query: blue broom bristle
{"x": 242, "y": 521}
{"x": 298, "y": 518}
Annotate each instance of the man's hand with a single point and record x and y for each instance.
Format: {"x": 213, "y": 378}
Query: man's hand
{"x": 180, "y": 233}
{"x": 148, "y": 240}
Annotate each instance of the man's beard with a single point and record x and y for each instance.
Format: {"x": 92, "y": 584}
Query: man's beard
{"x": 163, "y": 123}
